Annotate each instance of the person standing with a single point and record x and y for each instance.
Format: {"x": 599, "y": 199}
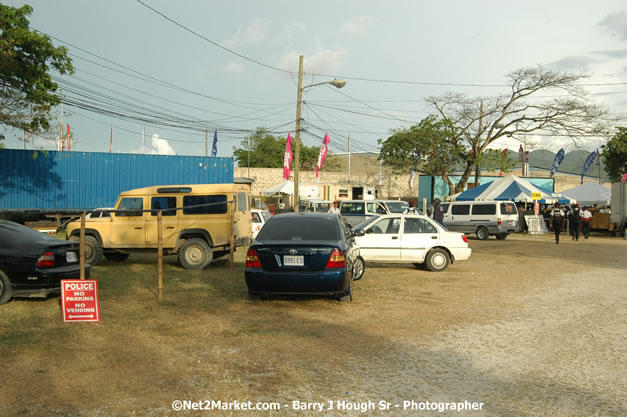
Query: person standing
{"x": 575, "y": 221}
{"x": 335, "y": 209}
{"x": 438, "y": 212}
{"x": 557, "y": 217}
{"x": 586, "y": 218}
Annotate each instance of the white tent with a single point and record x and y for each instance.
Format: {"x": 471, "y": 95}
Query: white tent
{"x": 590, "y": 193}
{"x": 285, "y": 188}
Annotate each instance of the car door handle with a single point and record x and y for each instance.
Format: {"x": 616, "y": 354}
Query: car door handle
{"x": 170, "y": 227}
{"x": 138, "y": 228}
{"x": 394, "y": 237}
{"x": 434, "y": 237}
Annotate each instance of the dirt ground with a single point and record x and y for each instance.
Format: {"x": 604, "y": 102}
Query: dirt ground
{"x": 525, "y": 327}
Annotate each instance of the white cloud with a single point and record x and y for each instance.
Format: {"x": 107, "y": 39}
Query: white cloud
{"x": 616, "y": 24}
{"x": 253, "y": 34}
{"x": 158, "y": 147}
{"x": 289, "y": 30}
{"x": 357, "y": 25}
{"x": 232, "y": 68}
{"x": 323, "y": 61}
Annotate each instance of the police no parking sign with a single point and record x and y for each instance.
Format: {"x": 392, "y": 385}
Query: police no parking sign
{"x": 79, "y": 300}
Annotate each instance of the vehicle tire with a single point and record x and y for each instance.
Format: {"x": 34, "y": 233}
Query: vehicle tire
{"x": 93, "y": 251}
{"x": 482, "y": 233}
{"x": 359, "y": 267}
{"x": 348, "y": 295}
{"x": 438, "y": 260}
{"x": 195, "y": 254}
{"x": 6, "y": 289}
{"x": 501, "y": 236}
{"x": 116, "y": 256}
{"x": 420, "y": 265}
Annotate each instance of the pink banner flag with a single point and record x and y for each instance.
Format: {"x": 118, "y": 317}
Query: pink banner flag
{"x": 287, "y": 157}
{"x": 323, "y": 153}
{"x": 69, "y": 142}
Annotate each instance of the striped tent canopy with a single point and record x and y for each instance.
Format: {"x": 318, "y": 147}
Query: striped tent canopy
{"x": 511, "y": 188}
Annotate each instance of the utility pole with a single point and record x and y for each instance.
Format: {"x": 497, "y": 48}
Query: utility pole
{"x": 249, "y": 155}
{"x": 299, "y": 99}
{"x": 349, "y": 158}
{"x": 59, "y": 144}
{"x": 206, "y": 143}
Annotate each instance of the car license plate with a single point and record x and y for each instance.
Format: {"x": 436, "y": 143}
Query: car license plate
{"x": 71, "y": 257}
{"x": 289, "y": 260}
{"x": 510, "y": 223}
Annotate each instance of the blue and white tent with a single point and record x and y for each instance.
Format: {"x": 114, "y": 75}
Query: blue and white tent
{"x": 511, "y": 188}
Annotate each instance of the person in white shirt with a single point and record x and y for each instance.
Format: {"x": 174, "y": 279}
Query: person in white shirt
{"x": 335, "y": 209}
{"x": 586, "y": 217}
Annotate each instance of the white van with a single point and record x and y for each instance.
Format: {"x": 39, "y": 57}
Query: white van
{"x": 485, "y": 218}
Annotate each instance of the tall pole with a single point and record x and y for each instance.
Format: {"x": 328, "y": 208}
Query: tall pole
{"x": 206, "y": 143}
{"x": 248, "y": 155}
{"x": 349, "y": 158}
{"x": 299, "y": 99}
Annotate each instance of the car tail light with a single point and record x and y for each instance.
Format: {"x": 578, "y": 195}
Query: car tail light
{"x": 464, "y": 238}
{"x": 46, "y": 260}
{"x": 337, "y": 259}
{"x": 252, "y": 259}
{"x": 499, "y": 221}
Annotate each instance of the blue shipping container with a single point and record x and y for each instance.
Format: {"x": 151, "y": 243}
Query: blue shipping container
{"x": 74, "y": 181}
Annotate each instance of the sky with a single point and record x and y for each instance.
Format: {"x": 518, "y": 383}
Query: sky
{"x": 160, "y": 76}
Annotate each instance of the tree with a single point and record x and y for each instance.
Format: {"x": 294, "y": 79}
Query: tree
{"x": 26, "y": 57}
{"x": 482, "y": 121}
{"x": 432, "y": 146}
{"x": 267, "y": 151}
{"x": 615, "y": 155}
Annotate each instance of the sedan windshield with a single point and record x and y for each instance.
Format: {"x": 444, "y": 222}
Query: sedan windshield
{"x": 366, "y": 223}
{"x": 299, "y": 229}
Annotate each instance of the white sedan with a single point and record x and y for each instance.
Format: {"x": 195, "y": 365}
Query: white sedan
{"x": 410, "y": 238}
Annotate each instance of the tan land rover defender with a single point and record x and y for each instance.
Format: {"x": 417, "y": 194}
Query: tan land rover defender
{"x": 199, "y": 231}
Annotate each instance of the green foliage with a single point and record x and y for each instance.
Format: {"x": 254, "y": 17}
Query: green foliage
{"x": 431, "y": 146}
{"x": 26, "y": 57}
{"x": 495, "y": 160}
{"x": 267, "y": 151}
{"x": 615, "y": 155}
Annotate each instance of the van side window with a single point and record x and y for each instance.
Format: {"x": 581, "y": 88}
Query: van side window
{"x": 195, "y": 200}
{"x": 484, "y": 209}
{"x": 460, "y": 209}
{"x": 352, "y": 208}
{"x": 132, "y": 206}
{"x": 255, "y": 217}
{"x": 508, "y": 208}
{"x": 444, "y": 207}
{"x": 162, "y": 203}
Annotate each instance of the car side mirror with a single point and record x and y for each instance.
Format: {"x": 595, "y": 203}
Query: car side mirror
{"x": 359, "y": 232}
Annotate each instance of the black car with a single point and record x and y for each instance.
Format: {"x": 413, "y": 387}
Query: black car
{"x": 304, "y": 253}
{"x": 33, "y": 263}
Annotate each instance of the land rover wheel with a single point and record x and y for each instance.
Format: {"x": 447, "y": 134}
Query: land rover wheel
{"x": 437, "y": 260}
{"x": 482, "y": 233}
{"x": 93, "y": 250}
{"x": 195, "y": 254}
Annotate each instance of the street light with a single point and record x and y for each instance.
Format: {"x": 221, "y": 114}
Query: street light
{"x": 335, "y": 83}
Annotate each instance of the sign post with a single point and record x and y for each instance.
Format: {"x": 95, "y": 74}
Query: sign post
{"x": 79, "y": 300}
{"x": 536, "y": 207}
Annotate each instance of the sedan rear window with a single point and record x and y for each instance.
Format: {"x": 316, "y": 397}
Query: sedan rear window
{"x": 13, "y": 234}
{"x": 299, "y": 229}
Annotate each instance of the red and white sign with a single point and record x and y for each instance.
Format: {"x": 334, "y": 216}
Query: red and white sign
{"x": 79, "y": 300}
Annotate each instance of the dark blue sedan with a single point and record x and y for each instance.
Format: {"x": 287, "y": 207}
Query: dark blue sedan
{"x": 304, "y": 253}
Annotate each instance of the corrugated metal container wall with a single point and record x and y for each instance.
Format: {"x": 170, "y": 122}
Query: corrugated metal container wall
{"x": 52, "y": 180}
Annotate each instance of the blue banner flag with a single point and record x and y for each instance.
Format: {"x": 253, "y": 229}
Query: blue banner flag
{"x": 557, "y": 161}
{"x": 214, "y": 149}
{"x": 589, "y": 160}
